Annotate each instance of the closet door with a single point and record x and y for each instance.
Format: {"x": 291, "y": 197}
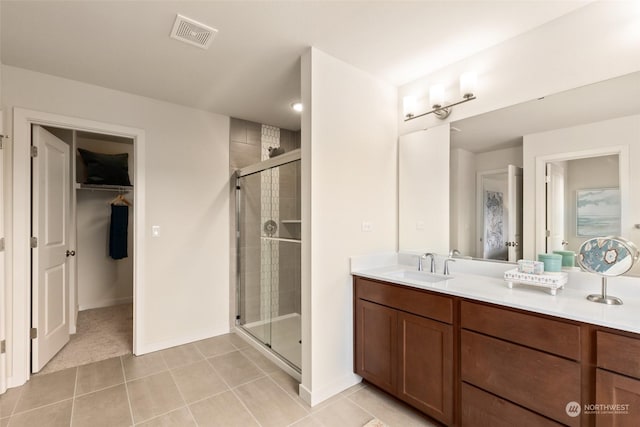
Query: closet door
{"x": 50, "y": 223}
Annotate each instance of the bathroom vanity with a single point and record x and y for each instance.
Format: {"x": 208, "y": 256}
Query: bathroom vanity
{"x": 469, "y": 351}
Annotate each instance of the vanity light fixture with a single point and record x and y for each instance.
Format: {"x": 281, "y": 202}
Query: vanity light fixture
{"x": 297, "y": 107}
{"x": 436, "y": 98}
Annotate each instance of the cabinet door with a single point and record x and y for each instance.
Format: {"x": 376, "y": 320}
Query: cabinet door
{"x": 375, "y": 342}
{"x": 624, "y": 392}
{"x": 426, "y": 365}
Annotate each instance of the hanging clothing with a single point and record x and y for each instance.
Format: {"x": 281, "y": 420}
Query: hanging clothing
{"x": 118, "y": 231}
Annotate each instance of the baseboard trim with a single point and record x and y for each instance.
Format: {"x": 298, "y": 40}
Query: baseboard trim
{"x": 315, "y": 397}
{"x": 174, "y": 342}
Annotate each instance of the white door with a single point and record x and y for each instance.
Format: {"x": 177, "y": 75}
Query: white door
{"x": 50, "y": 224}
{"x": 3, "y": 357}
{"x": 555, "y": 208}
{"x": 514, "y": 208}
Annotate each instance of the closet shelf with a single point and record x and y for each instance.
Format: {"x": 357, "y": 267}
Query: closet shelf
{"x": 98, "y": 187}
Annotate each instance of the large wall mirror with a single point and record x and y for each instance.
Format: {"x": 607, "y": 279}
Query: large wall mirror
{"x": 547, "y": 174}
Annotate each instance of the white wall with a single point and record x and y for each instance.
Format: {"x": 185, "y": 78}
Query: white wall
{"x": 423, "y": 196}
{"x": 349, "y": 175}
{"x": 102, "y": 281}
{"x": 594, "y": 43}
{"x": 594, "y": 172}
{"x": 186, "y": 296}
{"x": 499, "y": 159}
{"x": 605, "y": 135}
{"x": 463, "y": 202}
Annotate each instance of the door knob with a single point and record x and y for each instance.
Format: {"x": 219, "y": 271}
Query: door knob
{"x": 70, "y": 253}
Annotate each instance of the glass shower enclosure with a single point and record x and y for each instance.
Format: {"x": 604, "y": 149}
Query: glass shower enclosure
{"x": 268, "y": 233}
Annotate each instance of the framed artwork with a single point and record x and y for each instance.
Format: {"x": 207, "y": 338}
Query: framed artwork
{"x": 598, "y": 212}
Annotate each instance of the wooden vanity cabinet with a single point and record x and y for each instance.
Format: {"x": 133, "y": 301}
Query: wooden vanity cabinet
{"x": 404, "y": 344}
{"x": 617, "y": 380}
{"x": 470, "y": 363}
{"x": 528, "y": 364}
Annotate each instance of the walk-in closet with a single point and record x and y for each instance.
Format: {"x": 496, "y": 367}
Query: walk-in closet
{"x": 94, "y": 282}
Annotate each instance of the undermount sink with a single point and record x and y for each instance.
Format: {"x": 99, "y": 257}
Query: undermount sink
{"x": 420, "y": 276}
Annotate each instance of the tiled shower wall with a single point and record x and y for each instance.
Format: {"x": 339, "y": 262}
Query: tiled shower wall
{"x": 248, "y": 141}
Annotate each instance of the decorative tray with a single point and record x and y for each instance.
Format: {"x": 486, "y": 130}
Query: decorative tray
{"x": 552, "y": 282}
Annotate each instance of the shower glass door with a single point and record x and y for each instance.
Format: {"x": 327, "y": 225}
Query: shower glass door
{"x": 269, "y": 230}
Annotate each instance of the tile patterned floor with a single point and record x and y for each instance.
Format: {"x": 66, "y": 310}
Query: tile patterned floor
{"x": 216, "y": 382}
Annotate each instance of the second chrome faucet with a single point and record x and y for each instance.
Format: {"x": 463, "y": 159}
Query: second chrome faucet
{"x": 432, "y": 268}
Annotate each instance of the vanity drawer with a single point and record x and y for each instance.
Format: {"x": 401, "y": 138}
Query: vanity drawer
{"x": 539, "y": 381}
{"x": 552, "y": 336}
{"x": 618, "y": 353}
{"x": 480, "y": 408}
{"x": 413, "y": 301}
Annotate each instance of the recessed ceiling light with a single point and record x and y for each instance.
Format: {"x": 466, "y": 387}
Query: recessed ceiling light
{"x": 297, "y": 107}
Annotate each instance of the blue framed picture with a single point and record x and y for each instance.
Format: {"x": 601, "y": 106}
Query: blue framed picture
{"x": 598, "y": 212}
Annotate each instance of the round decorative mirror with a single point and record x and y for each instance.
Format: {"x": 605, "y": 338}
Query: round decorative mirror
{"x": 607, "y": 257}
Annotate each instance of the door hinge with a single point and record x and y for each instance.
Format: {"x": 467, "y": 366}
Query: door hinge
{"x": 33, "y": 333}
{"x": 1, "y": 243}
{"x": 547, "y": 233}
{"x": 33, "y": 242}
{"x": 3, "y": 347}
{"x": 34, "y": 151}
{"x": 547, "y": 179}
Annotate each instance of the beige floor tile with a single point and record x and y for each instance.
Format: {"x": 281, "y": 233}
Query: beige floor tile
{"x": 387, "y": 409}
{"x": 216, "y": 346}
{"x": 271, "y": 405}
{"x": 4, "y": 422}
{"x": 224, "y": 410}
{"x": 8, "y": 401}
{"x": 309, "y": 421}
{"x": 287, "y": 382}
{"x": 142, "y": 366}
{"x": 178, "y": 418}
{"x": 198, "y": 381}
{"x": 257, "y": 358}
{"x": 99, "y": 375}
{"x": 240, "y": 343}
{"x": 46, "y": 389}
{"x": 235, "y": 368}
{"x": 181, "y": 355}
{"x": 108, "y": 407}
{"x": 343, "y": 413}
{"x": 56, "y": 415}
{"x": 320, "y": 406}
{"x": 153, "y": 395}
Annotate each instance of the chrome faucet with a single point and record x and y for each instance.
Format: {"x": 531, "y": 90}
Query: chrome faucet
{"x": 453, "y": 253}
{"x": 446, "y": 265}
{"x": 433, "y": 262}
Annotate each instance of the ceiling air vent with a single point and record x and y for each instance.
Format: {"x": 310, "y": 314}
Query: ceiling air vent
{"x": 193, "y": 32}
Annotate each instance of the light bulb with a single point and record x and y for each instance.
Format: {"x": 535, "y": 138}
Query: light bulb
{"x": 436, "y": 96}
{"x": 297, "y": 107}
{"x": 409, "y": 104}
{"x": 468, "y": 84}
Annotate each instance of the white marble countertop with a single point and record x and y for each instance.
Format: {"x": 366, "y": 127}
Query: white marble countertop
{"x": 569, "y": 302}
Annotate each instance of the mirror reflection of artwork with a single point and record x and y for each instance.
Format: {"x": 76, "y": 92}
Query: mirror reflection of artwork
{"x": 494, "y": 237}
{"x": 598, "y": 212}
